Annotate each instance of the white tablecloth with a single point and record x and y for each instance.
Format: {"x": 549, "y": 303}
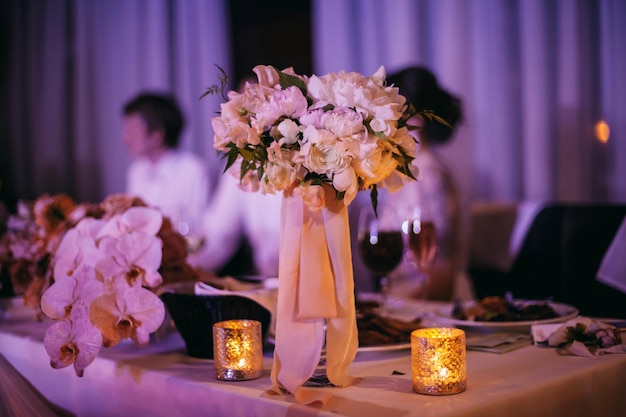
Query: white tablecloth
{"x": 162, "y": 381}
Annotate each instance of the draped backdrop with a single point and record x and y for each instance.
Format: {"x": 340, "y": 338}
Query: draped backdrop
{"x": 535, "y": 76}
{"x": 72, "y": 66}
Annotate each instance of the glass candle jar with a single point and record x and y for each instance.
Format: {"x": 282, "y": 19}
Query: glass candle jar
{"x": 438, "y": 361}
{"x": 237, "y": 350}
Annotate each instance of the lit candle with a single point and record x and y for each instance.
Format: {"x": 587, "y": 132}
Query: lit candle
{"x": 438, "y": 361}
{"x": 238, "y": 350}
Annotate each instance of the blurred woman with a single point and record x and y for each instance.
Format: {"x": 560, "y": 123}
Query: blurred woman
{"x": 434, "y": 197}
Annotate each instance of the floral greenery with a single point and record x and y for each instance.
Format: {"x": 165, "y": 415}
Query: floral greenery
{"x": 218, "y": 88}
{"x": 289, "y": 132}
{"x": 595, "y": 335}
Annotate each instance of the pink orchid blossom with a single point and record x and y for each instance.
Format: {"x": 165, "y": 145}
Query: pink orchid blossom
{"x": 128, "y": 312}
{"x": 58, "y": 300}
{"x": 73, "y": 341}
{"x": 135, "y": 219}
{"x": 136, "y": 256}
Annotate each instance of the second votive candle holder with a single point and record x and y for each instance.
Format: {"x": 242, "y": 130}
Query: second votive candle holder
{"x": 238, "y": 350}
{"x": 438, "y": 361}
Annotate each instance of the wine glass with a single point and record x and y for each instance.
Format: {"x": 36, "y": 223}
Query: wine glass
{"x": 381, "y": 247}
{"x": 422, "y": 243}
{"x": 186, "y": 221}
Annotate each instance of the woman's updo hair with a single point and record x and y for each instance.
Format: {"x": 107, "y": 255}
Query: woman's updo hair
{"x": 420, "y": 87}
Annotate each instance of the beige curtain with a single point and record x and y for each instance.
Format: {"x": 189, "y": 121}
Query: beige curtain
{"x": 535, "y": 77}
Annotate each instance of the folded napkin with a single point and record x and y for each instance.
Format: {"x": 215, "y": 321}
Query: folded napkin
{"x": 581, "y": 336}
{"x": 497, "y": 342}
{"x": 612, "y": 271}
{"x": 266, "y": 295}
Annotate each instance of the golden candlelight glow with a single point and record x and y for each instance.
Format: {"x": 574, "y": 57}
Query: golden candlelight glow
{"x": 438, "y": 361}
{"x": 238, "y": 350}
{"x": 603, "y": 132}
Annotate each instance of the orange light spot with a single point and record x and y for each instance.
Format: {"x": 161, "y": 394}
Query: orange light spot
{"x": 603, "y": 132}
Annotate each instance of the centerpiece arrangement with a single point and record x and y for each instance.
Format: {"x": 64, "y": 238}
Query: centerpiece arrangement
{"x": 94, "y": 270}
{"x": 319, "y": 140}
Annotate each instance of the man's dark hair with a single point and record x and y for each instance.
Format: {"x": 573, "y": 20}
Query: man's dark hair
{"x": 159, "y": 111}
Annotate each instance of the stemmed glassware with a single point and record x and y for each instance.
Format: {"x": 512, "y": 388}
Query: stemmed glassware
{"x": 186, "y": 221}
{"x": 422, "y": 243}
{"x": 381, "y": 247}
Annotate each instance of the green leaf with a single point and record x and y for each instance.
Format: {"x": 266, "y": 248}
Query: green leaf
{"x": 374, "y": 198}
{"x": 245, "y": 166}
{"x": 430, "y": 115}
{"x": 218, "y": 88}
{"x": 288, "y": 80}
{"x": 247, "y": 154}
{"x": 231, "y": 158}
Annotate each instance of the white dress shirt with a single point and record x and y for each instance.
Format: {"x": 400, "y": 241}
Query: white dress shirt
{"x": 177, "y": 184}
{"x": 233, "y": 214}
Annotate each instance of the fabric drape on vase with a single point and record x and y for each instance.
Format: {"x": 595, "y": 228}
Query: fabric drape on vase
{"x": 315, "y": 286}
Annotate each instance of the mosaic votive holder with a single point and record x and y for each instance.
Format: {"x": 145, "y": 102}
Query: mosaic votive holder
{"x": 438, "y": 361}
{"x": 237, "y": 350}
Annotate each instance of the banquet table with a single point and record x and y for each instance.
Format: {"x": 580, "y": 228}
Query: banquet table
{"x": 162, "y": 380}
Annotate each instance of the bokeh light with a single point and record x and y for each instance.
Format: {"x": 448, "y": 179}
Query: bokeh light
{"x": 603, "y": 132}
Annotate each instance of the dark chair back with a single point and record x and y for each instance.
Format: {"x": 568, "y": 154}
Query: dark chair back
{"x": 559, "y": 259}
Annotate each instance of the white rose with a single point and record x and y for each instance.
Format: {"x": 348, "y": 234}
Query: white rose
{"x": 347, "y": 182}
{"x": 378, "y": 125}
{"x": 289, "y": 131}
{"x": 313, "y": 195}
{"x": 375, "y": 165}
{"x": 278, "y": 176}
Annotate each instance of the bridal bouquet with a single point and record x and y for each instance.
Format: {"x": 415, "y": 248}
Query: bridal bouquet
{"x": 94, "y": 270}
{"x": 289, "y": 131}
{"x": 319, "y": 140}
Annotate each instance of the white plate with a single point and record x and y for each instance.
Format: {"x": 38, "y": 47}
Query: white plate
{"x": 384, "y": 348}
{"x": 365, "y": 349}
{"x": 565, "y": 312}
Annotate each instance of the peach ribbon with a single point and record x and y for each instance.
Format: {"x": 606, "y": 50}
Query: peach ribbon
{"x": 315, "y": 285}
